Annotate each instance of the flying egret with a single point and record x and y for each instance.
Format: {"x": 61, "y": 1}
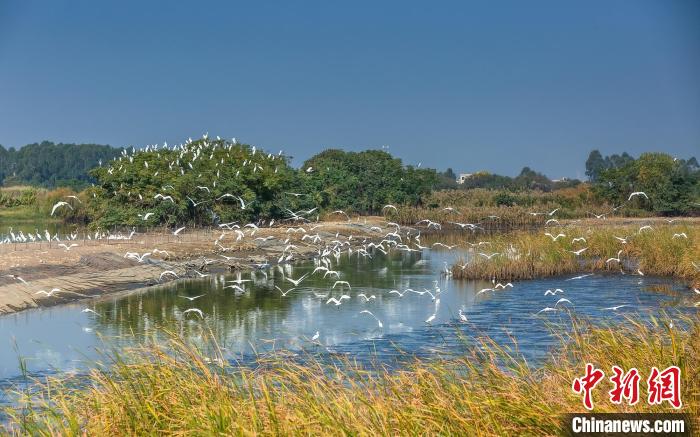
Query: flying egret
{"x": 546, "y": 310}
{"x": 49, "y": 293}
{"x": 194, "y": 310}
{"x": 638, "y": 193}
{"x": 168, "y": 272}
{"x": 341, "y": 283}
{"x": 296, "y": 282}
{"x": 59, "y": 205}
{"x": 609, "y": 260}
{"x": 554, "y": 238}
{"x": 191, "y": 298}
{"x": 615, "y": 308}
{"x": 88, "y": 310}
{"x": 337, "y": 301}
{"x": 580, "y": 277}
{"x": 379, "y": 322}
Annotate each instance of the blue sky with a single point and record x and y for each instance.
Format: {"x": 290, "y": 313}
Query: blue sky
{"x": 491, "y": 85}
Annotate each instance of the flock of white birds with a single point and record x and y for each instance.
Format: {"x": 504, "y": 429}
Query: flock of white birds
{"x": 328, "y": 247}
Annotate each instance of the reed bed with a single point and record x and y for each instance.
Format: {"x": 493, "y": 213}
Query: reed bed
{"x": 175, "y": 389}
{"x": 513, "y": 209}
{"x": 663, "y": 250}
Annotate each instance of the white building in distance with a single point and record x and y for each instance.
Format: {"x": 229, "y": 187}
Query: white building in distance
{"x": 463, "y": 177}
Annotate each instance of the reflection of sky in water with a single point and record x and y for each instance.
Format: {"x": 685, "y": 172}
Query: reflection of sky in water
{"x": 262, "y": 321}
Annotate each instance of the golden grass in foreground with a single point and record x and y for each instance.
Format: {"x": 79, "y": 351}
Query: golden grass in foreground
{"x": 172, "y": 390}
{"x": 527, "y": 255}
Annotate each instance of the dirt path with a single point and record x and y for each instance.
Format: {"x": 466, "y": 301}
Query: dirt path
{"x": 98, "y": 267}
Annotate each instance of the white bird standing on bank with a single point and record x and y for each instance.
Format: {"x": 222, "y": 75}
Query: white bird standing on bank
{"x": 462, "y": 317}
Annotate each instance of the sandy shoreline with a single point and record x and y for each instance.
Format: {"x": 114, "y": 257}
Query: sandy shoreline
{"x": 99, "y": 268}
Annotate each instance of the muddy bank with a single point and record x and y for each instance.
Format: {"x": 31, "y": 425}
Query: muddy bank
{"x": 98, "y": 269}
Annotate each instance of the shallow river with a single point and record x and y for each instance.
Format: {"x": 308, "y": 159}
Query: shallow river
{"x": 262, "y": 321}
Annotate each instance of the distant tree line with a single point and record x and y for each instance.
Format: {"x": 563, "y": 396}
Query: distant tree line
{"x": 47, "y": 164}
{"x": 528, "y": 179}
{"x": 360, "y": 182}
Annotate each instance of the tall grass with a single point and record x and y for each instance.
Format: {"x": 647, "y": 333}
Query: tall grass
{"x": 512, "y": 209}
{"x": 31, "y": 203}
{"x": 174, "y": 389}
{"x": 527, "y": 255}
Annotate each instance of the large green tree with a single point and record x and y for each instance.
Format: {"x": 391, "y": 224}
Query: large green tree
{"x": 203, "y": 182}
{"x": 364, "y": 181}
{"x": 672, "y": 185}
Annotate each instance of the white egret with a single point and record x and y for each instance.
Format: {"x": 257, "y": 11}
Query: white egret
{"x": 379, "y": 322}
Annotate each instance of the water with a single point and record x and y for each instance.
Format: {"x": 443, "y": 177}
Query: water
{"x": 9, "y": 226}
{"x": 262, "y": 321}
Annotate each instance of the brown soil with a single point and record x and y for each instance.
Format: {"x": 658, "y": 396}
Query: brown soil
{"x": 99, "y": 267}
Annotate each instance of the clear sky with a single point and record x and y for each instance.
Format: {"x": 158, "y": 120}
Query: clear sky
{"x": 492, "y": 85}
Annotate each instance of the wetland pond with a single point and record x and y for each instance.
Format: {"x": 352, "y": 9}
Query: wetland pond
{"x": 262, "y": 322}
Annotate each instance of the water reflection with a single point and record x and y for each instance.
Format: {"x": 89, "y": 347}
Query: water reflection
{"x": 262, "y": 321}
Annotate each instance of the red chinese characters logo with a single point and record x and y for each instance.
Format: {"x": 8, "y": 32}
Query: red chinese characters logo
{"x": 587, "y": 383}
{"x": 661, "y": 385}
{"x": 665, "y": 386}
{"x": 626, "y": 386}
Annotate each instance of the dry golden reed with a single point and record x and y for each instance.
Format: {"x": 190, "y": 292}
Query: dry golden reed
{"x": 173, "y": 389}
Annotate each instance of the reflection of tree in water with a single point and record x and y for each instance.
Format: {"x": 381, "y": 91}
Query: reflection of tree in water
{"x": 250, "y": 317}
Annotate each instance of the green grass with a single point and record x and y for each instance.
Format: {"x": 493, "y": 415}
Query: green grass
{"x": 23, "y": 213}
{"x": 174, "y": 390}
